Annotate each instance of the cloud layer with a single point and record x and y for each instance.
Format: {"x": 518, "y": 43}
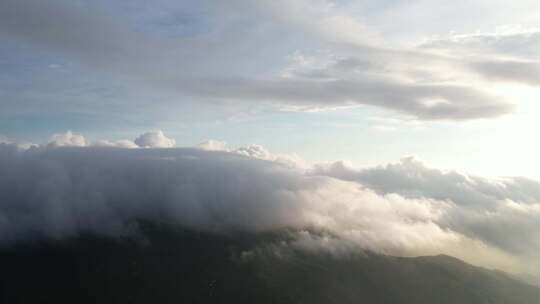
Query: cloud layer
{"x": 211, "y": 53}
{"x": 495, "y": 211}
{"x": 402, "y": 209}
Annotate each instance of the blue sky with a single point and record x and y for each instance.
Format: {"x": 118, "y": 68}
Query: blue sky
{"x": 363, "y": 81}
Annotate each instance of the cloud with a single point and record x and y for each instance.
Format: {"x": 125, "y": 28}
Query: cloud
{"x": 401, "y": 209}
{"x": 259, "y": 152}
{"x": 122, "y": 143}
{"x": 510, "y": 54}
{"x": 213, "y": 145}
{"x": 411, "y": 178}
{"x": 212, "y": 65}
{"x": 526, "y": 72}
{"x": 255, "y": 151}
{"x": 68, "y": 139}
{"x": 19, "y": 145}
{"x": 510, "y": 41}
{"x": 455, "y": 102}
{"x": 492, "y": 210}
{"x": 102, "y": 189}
{"x": 154, "y": 139}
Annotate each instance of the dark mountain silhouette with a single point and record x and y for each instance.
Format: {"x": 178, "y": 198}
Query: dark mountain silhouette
{"x": 169, "y": 265}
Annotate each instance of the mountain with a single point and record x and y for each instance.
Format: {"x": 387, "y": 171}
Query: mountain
{"x": 172, "y": 265}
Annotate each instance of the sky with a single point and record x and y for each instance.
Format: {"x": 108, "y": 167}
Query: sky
{"x": 404, "y": 127}
{"x": 455, "y": 85}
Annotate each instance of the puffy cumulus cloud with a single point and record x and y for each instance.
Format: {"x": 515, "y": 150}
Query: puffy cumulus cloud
{"x": 66, "y": 190}
{"x": 68, "y": 139}
{"x": 154, "y": 139}
{"x": 255, "y": 151}
{"x": 213, "y": 145}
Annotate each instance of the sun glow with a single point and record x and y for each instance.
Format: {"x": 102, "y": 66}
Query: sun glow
{"x": 509, "y": 145}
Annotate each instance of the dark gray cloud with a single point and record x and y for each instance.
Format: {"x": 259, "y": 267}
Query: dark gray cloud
{"x": 59, "y": 192}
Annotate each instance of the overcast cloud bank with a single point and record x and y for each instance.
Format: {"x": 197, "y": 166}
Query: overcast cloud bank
{"x": 408, "y": 209}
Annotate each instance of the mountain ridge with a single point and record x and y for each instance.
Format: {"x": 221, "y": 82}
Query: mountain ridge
{"x": 168, "y": 265}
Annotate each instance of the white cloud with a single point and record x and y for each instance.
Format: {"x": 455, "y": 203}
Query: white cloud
{"x": 509, "y": 54}
{"x": 259, "y": 152}
{"x": 154, "y": 139}
{"x": 122, "y": 143}
{"x": 493, "y": 211}
{"x": 255, "y": 151}
{"x": 505, "y": 41}
{"x": 68, "y": 139}
{"x": 213, "y": 145}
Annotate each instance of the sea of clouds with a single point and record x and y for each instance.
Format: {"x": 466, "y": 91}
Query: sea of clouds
{"x": 70, "y": 185}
